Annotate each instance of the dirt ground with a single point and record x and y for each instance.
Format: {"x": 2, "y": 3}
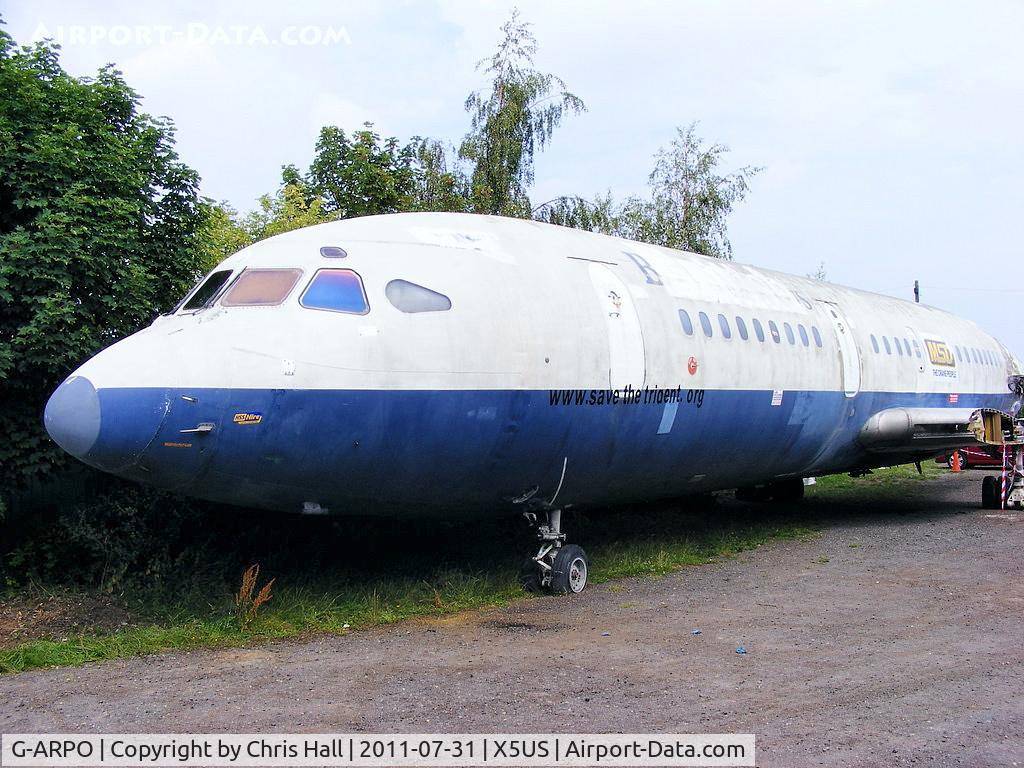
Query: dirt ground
{"x": 892, "y": 640}
{"x": 56, "y": 615}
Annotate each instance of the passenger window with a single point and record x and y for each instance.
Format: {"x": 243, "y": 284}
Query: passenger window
{"x": 874, "y": 343}
{"x": 885, "y": 341}
{"x": 741, "y": 327}
{"x": 917, "y": 349}
{"x": 803, "y": 335}
{"x": 336, "y": 290}
{"x": 959, "y": 353}
{"x": 705, "y": 323}
{"x": 974, "y": 354}
{"x": 723, "y": 323}
{"x": 774, "y": 330}
{"x": 413, "y": 298}
{"x": 206, "y": 291}
{"x": 817, "y": 336}
{"x": 758, "y": 330}
{"x": 684, "y": 318}
{"x": 906, "y": 346}
{"x": 261, "y": 288}
{"x": 899, "y": 346}
{"x": 789, "y": 333}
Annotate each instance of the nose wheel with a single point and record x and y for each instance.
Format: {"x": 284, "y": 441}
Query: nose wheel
{"x": 558, "y": 568}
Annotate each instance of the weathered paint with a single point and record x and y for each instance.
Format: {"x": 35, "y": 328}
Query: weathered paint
{"x": 444, "y": 412}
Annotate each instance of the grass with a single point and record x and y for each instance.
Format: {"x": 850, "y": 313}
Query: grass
{"x": 424, "y": 577}
{"x": 878, "y": 483}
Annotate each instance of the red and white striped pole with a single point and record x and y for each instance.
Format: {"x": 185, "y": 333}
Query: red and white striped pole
{"x": 1002, "y": 485}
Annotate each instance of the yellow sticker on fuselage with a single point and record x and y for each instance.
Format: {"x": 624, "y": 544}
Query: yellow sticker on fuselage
{"x": 940, "y": 353}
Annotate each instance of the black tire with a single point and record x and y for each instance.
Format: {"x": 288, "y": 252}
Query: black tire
{"x": 990, "y": 489}
{"x": 569, "y": 571}
{"x": 963, "y": 459}
{"x": 991, "y": 493}
{"x": 529, "y": 576}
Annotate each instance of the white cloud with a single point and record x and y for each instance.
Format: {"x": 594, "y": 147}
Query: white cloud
{"x": 889, "y": 132}
{"x": 329, "y": 109}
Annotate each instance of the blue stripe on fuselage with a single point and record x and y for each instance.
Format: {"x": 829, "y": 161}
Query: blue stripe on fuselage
{"x": 443, "y": 452}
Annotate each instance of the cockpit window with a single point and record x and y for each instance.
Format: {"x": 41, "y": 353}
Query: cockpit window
{"x": 205, "y": 293}
{"x": 261, "y": 288}
{"x": 336, "y": 290}
{"x": 409, "y": 297}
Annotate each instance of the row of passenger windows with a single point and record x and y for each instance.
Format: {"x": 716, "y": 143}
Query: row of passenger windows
{"x": 978, "y": 355}
{"x": 963, "y": 354}
{"x": 900, "y": 346}
{"x": 725, "y": 328}
{"x": 334, "y": 290}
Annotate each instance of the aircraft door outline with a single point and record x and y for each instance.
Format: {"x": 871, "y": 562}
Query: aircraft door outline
{"x": 626, "y": 355}
{"x": 849, "y": 353}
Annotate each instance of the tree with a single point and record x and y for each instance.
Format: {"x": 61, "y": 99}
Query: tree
{"x": 100, "y": 227}
{"x": 688, "y": 208}
{"x": 222, "y": 233}
{"x": 360, "y": 176}
{"x": 511, "y": 123}
{"x": 441, "y": 184}
{"x": 598, "y": 215}
{"x": 691, "y": 199}
{"x": 290, "y": 208}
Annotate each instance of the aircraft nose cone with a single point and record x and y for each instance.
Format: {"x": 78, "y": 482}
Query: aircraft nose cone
{"x": 72, "y": 416}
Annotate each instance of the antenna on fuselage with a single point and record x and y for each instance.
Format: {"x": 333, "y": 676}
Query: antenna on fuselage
{"x": 917, "y": 292}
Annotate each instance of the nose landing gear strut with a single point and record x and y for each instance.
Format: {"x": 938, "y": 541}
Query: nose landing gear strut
{"x": 557, "y": 567}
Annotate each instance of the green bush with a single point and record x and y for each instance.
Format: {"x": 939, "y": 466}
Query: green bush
{"x": 100, "y": 227}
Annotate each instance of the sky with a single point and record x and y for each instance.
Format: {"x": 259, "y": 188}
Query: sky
{"x": 890, "y": 134}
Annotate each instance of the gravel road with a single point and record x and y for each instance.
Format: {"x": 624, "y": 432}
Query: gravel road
{"x": 893, "y": 639}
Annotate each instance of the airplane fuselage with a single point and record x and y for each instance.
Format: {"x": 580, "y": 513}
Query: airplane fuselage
{"x": 449, "y": 363}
